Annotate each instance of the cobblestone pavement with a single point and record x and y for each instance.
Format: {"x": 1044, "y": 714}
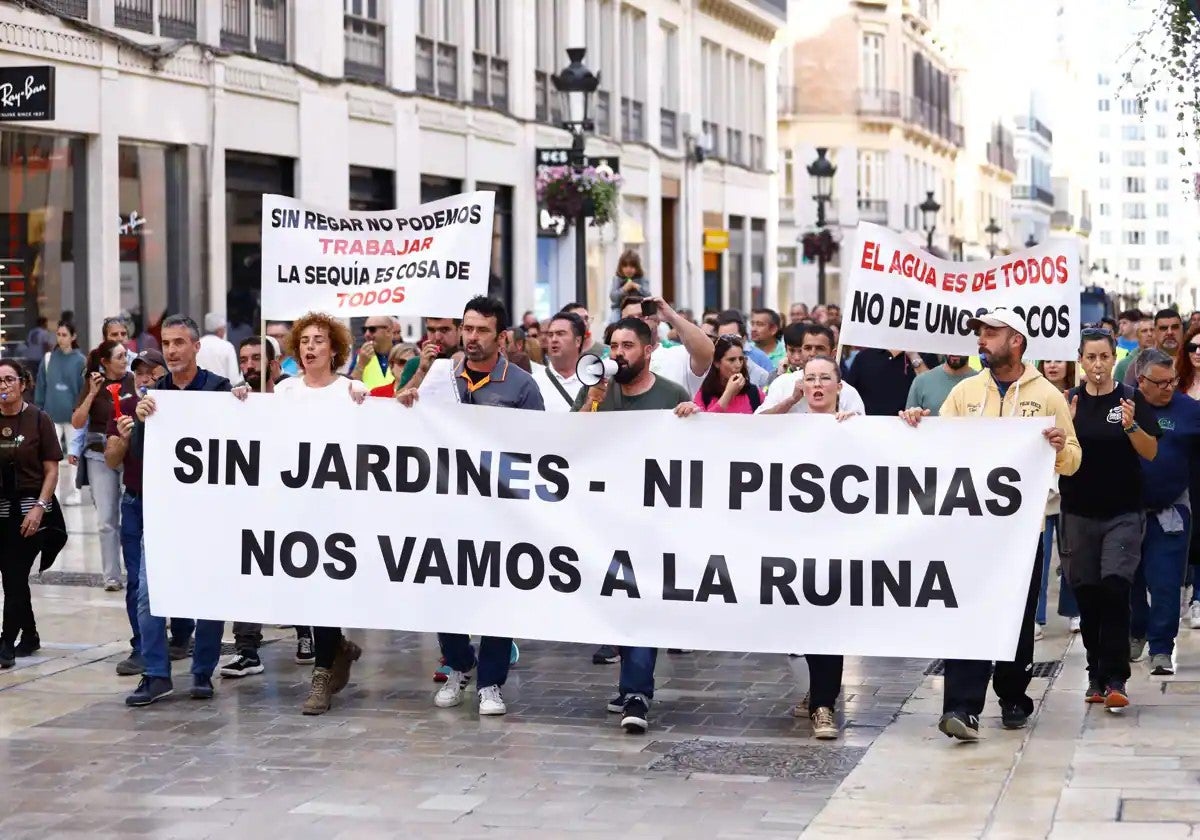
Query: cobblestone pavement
{"x": 724, "y": 757}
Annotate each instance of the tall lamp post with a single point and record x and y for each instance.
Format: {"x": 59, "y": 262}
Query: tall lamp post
{"x": 992, "y": 230}
{"x": 575, "y": 84}
{"x": 929, "y": 210}
{"x": 822, "y": 171}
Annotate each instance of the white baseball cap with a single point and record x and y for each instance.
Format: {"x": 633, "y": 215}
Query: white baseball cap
{"x": 1001, "y": 316}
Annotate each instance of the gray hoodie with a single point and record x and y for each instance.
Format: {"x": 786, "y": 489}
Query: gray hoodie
{"x": 59, "y": 381}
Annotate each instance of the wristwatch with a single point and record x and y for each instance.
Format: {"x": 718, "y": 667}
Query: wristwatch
{"x": 1132, "y": 428}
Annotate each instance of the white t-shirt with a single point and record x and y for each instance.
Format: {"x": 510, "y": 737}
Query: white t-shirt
{"x": 550, "y": 396}
{"x": 675, "y": 364}
{"x": 781, "y": 389}
{"x": 217, "y": 354}
{"x": 338, "y": 389}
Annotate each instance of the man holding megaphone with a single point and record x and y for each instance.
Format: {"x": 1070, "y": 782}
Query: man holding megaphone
{"x": 624, "y": 382}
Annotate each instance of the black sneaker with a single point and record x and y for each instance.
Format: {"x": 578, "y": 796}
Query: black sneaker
{"x": 178, "y": 651}
{"x": 29, "y": 645}
{"x": 8, "y": 656}
{"x": 617, "y": 704}
{"x": 242, "y": 665}
{"x": 1095, "y": 691}
{"x": 132, "y": 666}
{"x": 606, "y": 655}
{"x": 959, "y": 725}
{"x": 636, "y": 713}
{"x": 150, "y": 690}
{"x": 305, "y": 655}
{"x": 1013, "y": 715}
{"x": 202, "y": 688}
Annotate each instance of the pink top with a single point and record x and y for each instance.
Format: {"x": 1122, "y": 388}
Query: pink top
{"x": 740, "y": 404}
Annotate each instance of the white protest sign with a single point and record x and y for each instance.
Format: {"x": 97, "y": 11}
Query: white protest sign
{"x": 781, "y": 534}
{"x": 898, "y": 296}
{"x": 425, "y": 261}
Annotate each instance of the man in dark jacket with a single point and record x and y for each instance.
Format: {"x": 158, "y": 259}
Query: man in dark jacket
{"x": 180, "y": 343}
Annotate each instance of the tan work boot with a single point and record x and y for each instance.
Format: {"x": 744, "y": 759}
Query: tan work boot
{"x": 320, "y": 694}
{"x": 347, "y": 655}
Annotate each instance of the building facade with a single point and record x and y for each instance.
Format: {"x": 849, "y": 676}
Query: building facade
{"x": 871, "y": 81}
{"x": 1033, "y": 191}
{"x": 173, "y": 117}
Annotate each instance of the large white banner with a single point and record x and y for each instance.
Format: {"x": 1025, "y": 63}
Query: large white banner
{"x": 425, "y": 261}
{"x": 898, "y": 296}
{"x": 787, "y": 534}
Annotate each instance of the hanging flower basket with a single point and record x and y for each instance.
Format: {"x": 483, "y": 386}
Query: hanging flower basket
{"x": 819, "y": 244}
{"x": 591, "y": 192}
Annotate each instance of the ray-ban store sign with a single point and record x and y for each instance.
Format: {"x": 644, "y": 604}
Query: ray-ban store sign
{"x": 26, "y": 93}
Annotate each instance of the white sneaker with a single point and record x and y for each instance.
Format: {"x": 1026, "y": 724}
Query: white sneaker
{"x": 1039, "y": 632}
{"x": 490, "y": 701}
{"x": 72, "y": 500}
{"x": 451, "y": 692}
{"x": 1075, "y": 624}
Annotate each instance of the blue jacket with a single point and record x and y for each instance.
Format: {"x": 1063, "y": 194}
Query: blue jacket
{"x": 1166, "y": 477}
{"x": 59, "y": 381}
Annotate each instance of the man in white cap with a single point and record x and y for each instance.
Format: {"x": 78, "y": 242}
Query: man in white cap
{"x": 1007, "y": 387}
{"x": 216, "y": 353}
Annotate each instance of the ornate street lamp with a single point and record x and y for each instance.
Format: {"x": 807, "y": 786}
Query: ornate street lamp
{"x": 575, "y": 84}
{"x": 992, "y": 230}
{"x": 929, "y": 210}
{"x": 822, "y": 171}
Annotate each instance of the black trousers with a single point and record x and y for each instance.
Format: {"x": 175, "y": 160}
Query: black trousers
{"x": 17, "y": 554}
{"x": 247, "y": 636}
{"x": 966, "y": 680}
{"x": 326, "y": 643}
{"x": 1104, "y": 625}
{"x": 824, "y": 679}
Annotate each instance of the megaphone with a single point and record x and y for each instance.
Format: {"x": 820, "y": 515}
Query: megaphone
{"x": 591, "y": 369}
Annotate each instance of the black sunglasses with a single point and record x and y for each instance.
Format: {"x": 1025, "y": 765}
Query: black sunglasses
{"x": 1096, "y": 332}
{"x": 735, "y": 340}
{"x": 1192, "y": 347}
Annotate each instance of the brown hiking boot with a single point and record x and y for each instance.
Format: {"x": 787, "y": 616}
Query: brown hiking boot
{"x": 320, "y": 694}
{"x": 347, "y": 655}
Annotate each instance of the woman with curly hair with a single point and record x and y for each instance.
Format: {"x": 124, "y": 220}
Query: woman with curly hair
{"x": 322, "y": 344}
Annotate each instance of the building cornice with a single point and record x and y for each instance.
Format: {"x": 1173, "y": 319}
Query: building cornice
{"x": 739, "y": 16}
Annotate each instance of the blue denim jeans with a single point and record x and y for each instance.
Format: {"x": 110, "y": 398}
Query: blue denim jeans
{"x": 637, "y": 671}
{"x": 493, "y": 661}
{"x": 1067, "y": 607}
{"x": 131, "y": 548}
{"x": 1164, "y": 563}
{"x": 154, "y": 636}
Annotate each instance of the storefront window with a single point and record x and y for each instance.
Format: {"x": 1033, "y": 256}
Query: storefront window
{"x": 42, "y": 237}
{"x": 247, "y": 177}
{"x": 372, "y": 189}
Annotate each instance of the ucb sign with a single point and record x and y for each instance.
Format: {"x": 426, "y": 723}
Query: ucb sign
{"x": 26, "y": 93}
{"x": 550, "y": 225}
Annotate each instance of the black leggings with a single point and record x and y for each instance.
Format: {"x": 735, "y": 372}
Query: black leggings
{"x": 326, "y": 643}
{"x": 1104, "y": 625}
{"x": 824, "y": 679}
{"x": 17, "y": 554}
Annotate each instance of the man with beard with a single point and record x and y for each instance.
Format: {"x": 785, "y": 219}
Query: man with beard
{"x": 786, "y": 394}
{"x": 638, "y": 389}
{"x": 930, "y": 389}
{"x": 442, "y": 336}
{"x": 1008, "y": 388}
{"x": 483, "y": 377}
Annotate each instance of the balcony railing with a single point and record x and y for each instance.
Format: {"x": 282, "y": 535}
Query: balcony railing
{"x": 734, "y": 152}
{"x": 134, "y": 14}
{"x": 177, "y": 18}
{"x": 437, "y": 68}
{"x": 1001, "y": 156}
{"x": 489, "y": 81}
{"x": 712, "y": 137}
{"x": 957, "y": 137}
{"x": 1029, "y": 192}
{"x": 270, "y": 27}
{"x": 633, "y": 125}
{"x": 1036, "y": 126}
{"x": 934, "y": 120}
{"x": 873, "y": 210}
{"x": 68, "y": 8}
{"x": 758, "y": 153}
{"x": 879, "y": 103}
{"x": 365, "y": 51}
{"x": 668, "y": 128}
